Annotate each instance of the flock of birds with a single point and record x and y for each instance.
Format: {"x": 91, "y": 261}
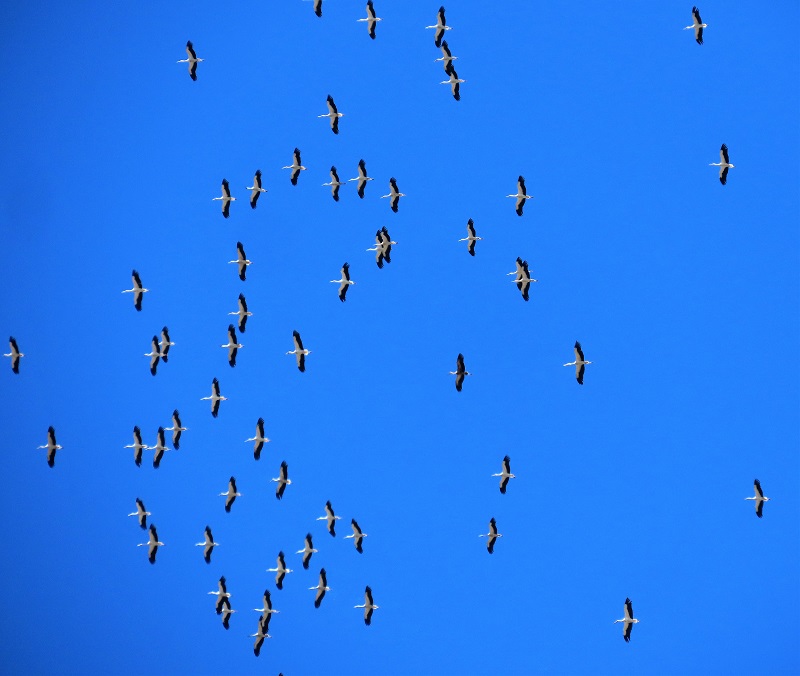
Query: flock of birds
{"x": 160, "y": 348}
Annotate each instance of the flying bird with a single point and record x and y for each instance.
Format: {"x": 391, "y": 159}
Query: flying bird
{"x": 141, "y": 513}
{"x": 471, "y": 237}
{"x": 330, "y": 517}
{"x": 440, "y": 26}
{"x": 222, "y": 594}
{"x": 296, "y": 166}
{"x": 242, "y": 312}
{"x": 344, "y": 283}
{"x": 335, "y": 183}
{"x": 522, "y": 278}
{"x": 307, "y": 551}
{"x": 227, "y": 611}
{"x": 208, "y": 544}
{"x": 225, "y": 198}
{"x": 137, "y": 290}
{"x": 152, "y": 545}
{"x": 137, "y": 446}
{"x": 371, "y": 19}
{"x": 154, "y": 354}
{"x": 282, "y": 480}
{"x": 383, "y": 247}
{"x": 505, "y": 475}
{"x": 318, "y": 7}
{"x": 394, "y": 194}
{"x": 192, "y": 60}
{"x": 333, "y": 114}
{"x": 164, "y": 344}
{"x": 231, "y": 494}
{"x": 160, "y": 448}
{"x": 759, "y": 498}
{"x": 723, "y": 164}
{"x": 242, "y": 261}
{"x": 299, "y": 352}
{"x": 267, "y": 610}
{"x": 368, "y": 606}
{"x": 232, "y": 345}
{"x": 259, "y": 636}
{"x": 460, "y": 373}
{"x": 15, "y": 354}
{"x": 322, "y": 587}
{"x": 628, "y": 621}
{"x": 492, "y": 535}
{"x": 358, "y": 536}
{"x": 521, "y": 195}
{"x": 51, "y": 446}
{"x": 215, "y": 397}
{"x": 281, "y": 570}
{"x": 447, "y": 58}
{"x": 698, "y": 25}
{"x": 255, "y": 189}
{"x": 579, "y": 363}
{"x": 455, "y": 83}
{"x": 259, "y": 439}
{"x": 362, "y": 178}
{"x": 176, "y": 429}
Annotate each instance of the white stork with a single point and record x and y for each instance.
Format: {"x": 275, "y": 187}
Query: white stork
{"x": 394, "y": 194}
{"x": 137, "y": 446}
{"x": 318, "y": 7}
{"x": 192, "y": 60}
{"x": 141, "y": 513}
{"x": 697, "y": 25}
{"x": 176, "y": 429}
{"x": 296, "y": 166}
{"x": 259, "y": 636}
{"x": 259, "y": 439}
{"x": 362, "y": 178}
{"x": 758, "y": 497}
{"x": 299, "y": 352}
{"x": 383, "y": 247}
{"x": 371, "y": 19}
{"x": 242, "y": 261}
{"x": 492, "y": 535}
{"x": 282, "y": 480}
{"x": 455, "y": 83}
{"x": 447, "y": 58}
{"x": 222, "y": 594}
{"x": 227, "y": 611}
{"x": 440, "y": 26}
{"x": 322, "y": 587}
{"x": 335, "y": 183}
{"x": 281, "y": 570}
{"x": 579, "y": 363}
{"x": 267, "y": 610}
{"x": 164, "y": 344}
{"x": 461, "y": 372}
{"x": 160, "y": 448}
{"x": 137, "y": 290}
{"x": 522, "y": 278}
{"x": 154, "y": 354}
{"x": 255, "y": 189}
{"x": 225, "y": 198}
{"x": 333, "y": 114}
{"x": 215, "y": 397}
{"x": 521, "y": 196}
{"x": 471, "y": 237}
{"x": 15, "y": 354}
{"x": 51, "y": 446}
{"x": 358, "y": 536}
{"x": 232, "y": 345}
{"x": 208, "y": 544}
{"x": 242, "y": 313}
{"x": 505, "y": 475}
{"x": 330, "y": 517}
{"x": 368, "y": 606}
{"x": 344, "y": 283}
{"x": 628, "y": 621}
{"x": 307, "y": 551}
{"x": 152, "y": 545}
{"x": 723, "y": 164}
{"x": 231, "y": 494}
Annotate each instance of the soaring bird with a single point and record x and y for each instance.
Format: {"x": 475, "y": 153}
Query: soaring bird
{"x": 154, "y": 354}
{"x": 141, "y": 514}
{"x": 522, "y": 278}
{"x": 15, "y": 354}
{"x": 447, "y": 58}
{"x": 176, "y": 429}
{"x": 383, "y": 247}
{"x": 505, "y": 475}
{"x": 160, "y": 448}
{"x": 330, "y": 517}
{"x": 440, "y": 26}
{"x": 335, "y": 184}
{"x": 242, "y": 313}
{"x": 164, "y": 344}
{"x": 282, "y": 480}
{"x": 137, "y": 290}
{"x": 222, "y": 594}
{"x": 318, "y": 7}
{"x": 299, "y": 351}
{"x": 344, "y": 283}
{"x": 461, "y": 372}
{"x": 579, "y": 363}
{"x": 259, "y": 636}
{"x": 758, "y": 497}
{"x": 242, "y": 261}
{"x": 723, "y": 164}
{"x": 232, "y": 345}
{"x": 281, "y": 570}
{"x": 322, "y": 587}
{"x": 267, "y": 610}
{"x": 471, "y": 237}
{"x": 231, "y": 494}
{"x": 358, "y": 536}
{"x": 259, "y": 439}
{"x": 225, "y": 198}
{"x": 255, "y": 189}
{"x": 227, "y": 611}
{"x": 697, "y": 25}
{"x": 296, "y": 166}
{"x": 522, "y": 195}
{"x": 307, "y": 551}
{"x": 215, "y": 397}
{"x": 628, "y": 621}
{"x": 137, "y": 446}
{"x": 51, "y": 446}
{"x": 362, "y": 178}
{"x": 333, "y": 114}
{"x": 368, "y": 606}
{"x": 152, "y": 545}
{"x": 492, "y": 535}
{"x": 455, "y": 82}
{"x": 192, "y": 60}
{"x": 394, "y": 194}
{"x": 208, "y": 544}
{"x": 371, "y": 19}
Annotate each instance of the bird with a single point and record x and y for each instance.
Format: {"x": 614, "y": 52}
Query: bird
{"x": 330, "y": 517}
{"x": 357, "y": 536}
{"x": 192, "y": 60}
{"x": 242, "y": 261}
{"x": 471, "y": 237}
{"x": 440, "y": 26}
{"x": 371, "y": 19}
{"x": 231, "y": 494}
{"x": 299, "y": 352}
{"x": 256, "y": 189}
{"x": 226, "y": 611}
{"x": 362, "y": 178}
{"x": 282, "y": 480}
{"x": 335, "y": 183}
{"x": 259, "y": 439}
{"x": 521, "y": 195}
{"x": 141, "y": 513}
{"x": 579, "y": 363}
{"x": 15, "y": 354}
{"x": 758, "y": 497}
{"x": 460, "y": 372}
{"x": 152, "y": 545}
{"x": 154, "y": 354}
{"x": 505, "y": 475}
{"x": 698, "y": 25}
{"x": 307, "y": 551}
{"x": 232, "y": 345}
{"x": 160, "y": 448}
{"x": 318, "y": 7}
{"x": 259, "y": 636}
{"x": 394, "y": 194}
{"x": 522, "y": 278}
{"x": 322, "y": 587}
{"x": 383, "y": 247}
{"x": 344, "y": 283}
{"x": 447, "y": 57}
{"x": 333, "y": 114}
{"x": 51, "y": 446}
{"x": 222, "y": 594}
{"x": 225, "y": 198}
{"x": 242, "y": 313}
{"x": 208, "y": 544}
{"x": 176, "y": 429}
{"x": 295, "y": 166}
{"x": 281, "y": 570}
{"x": 492, "y": 535}
{"x": 164, "y": 344}
{"x": 723, "y": 164}
{"x": 267, "y": 610}
{"x": 137, "y": 446}
{"x": 455, "y": 83}
{"x": 368, "y": 606}
{"x": 215, "y": 397}
{"x": 137, "y": 290}
{"x": 628, "y": 621}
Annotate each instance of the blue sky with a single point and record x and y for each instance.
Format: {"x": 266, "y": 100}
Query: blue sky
{"x": 684, "y": 294}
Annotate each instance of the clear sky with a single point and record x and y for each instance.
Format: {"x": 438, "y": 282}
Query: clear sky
{"x": 684, "y": 293}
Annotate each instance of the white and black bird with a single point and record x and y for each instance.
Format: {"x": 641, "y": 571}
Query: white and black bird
{"x": 322, "y": 587}
{"x": 154, "y": 354}
{"x": 330, "y": 517}
{"x": 160, "y": 448}
{"x": 723, "y": 164}
{"x": 137, "y": 290}
{"x": 505, "y": 475}
{"x": 225, "y": 198}
{"x": 232, "y": 345}
{"x": 255, "y": 189}
{"x": 440, "y": 26}
{"x": 357, "y": 536}
{"x": 455, "y": 82}
{"x": 318, "y": 7}
{"x": 344, "y": 283}
{"x": 259, "y": 439}
{"x": 492, "y": 535}
{"x": 628, "y": 621}
{"x": 51, "y": 446}
{"x": 177, "y": 429}
{"x": 333, "y": 113}
{"x": 335, "y": 184}
{"x": 697, "y": 25}
{"x": 383, "y": 247}
{"x": 260, "y": 635}
{"x": 242, "y": 261}
{"x": 461, "y": 372}
{"x": 307, "y": 551}
{"x": 152, "y": 545}
{"x": 362, "y": 178}
{"x": 215, "y": 397}
{"x": 222, "y": 594}
{"x": 296, "y": 166}
{"x": 280, "y": 570}
{"x": 141, "y": 514}
{"x": 15, "y": 354}
{"x": 521, "y": 195}
{"x": 164, "y": 344}
{"x": 299, "y": 351}
{"x": 231, "y": 494}
{"x": 471, "y": 237}
{"x": 368, "y": 606}
{"x": 282, "y": 480}
{"x": 266, "y": 610}
{"x": 208, "y": 544}
{"x": 522, "y": 278}
{"x": 394, "y": 194}
{"x": 447, "y": 57}
{"x": 579, "y": 363}
{"x": 242, "y": 313}
{"x": 372, "y": 19}
{"x": 759, "y": 498}
{"x": 191, "y": 59}
{"x": 227, "y": 611}
{"x": 137, "y": 446}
